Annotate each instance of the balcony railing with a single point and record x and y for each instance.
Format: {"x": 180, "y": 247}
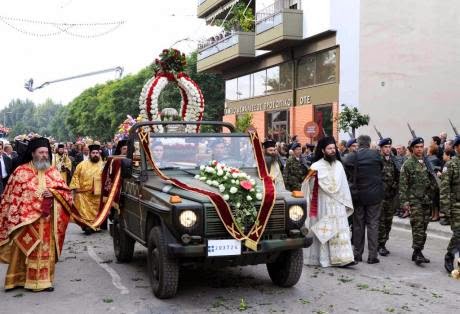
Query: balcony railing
{"x": 271, "y": 16}
{"x": 200, "y": 1}
{"x": 217, "y": 43}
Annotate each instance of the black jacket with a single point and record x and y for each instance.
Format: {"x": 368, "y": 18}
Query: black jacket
{"x": 9, "y": 168}
{"x": 369, "y": 182}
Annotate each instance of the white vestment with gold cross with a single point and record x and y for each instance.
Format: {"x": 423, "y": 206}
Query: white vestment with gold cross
{"x": 330, "y": 230}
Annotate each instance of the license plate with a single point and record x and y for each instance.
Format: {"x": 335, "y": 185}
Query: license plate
{"x": 224, "y": 247}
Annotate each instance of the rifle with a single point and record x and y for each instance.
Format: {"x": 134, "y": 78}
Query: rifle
{"x": 378, "y": 133}
{"x": 453, "y": 127}
{"x": 428, "y": 164}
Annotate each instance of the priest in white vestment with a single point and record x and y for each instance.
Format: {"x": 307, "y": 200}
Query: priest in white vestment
{"x": 329, "y": 204}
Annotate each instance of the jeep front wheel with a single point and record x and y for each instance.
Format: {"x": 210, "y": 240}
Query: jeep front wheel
{"x": 163, "y": 269}
{"x": 287, "y": 268}
{"x": 123, "y": 244}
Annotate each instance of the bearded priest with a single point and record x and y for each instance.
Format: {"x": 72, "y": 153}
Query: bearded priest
{"x": 86, "y": 183}
{"x": 329, "y": 204}
{"x": 63, "y": 163}
{"x": 32, "y": 220}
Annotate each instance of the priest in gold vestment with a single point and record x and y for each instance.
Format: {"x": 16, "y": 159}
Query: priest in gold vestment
{"x": 32, "y": 220}
{"x": 62, "y": 163}
{"x": 86, "y": 183}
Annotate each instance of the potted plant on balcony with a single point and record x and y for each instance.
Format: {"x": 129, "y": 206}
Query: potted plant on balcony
{"x": 241, "y": 19}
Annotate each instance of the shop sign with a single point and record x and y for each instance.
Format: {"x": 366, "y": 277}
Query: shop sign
{"x": 311, "y": 129}
{"x": 262, "y": 106}
{"x": 305, "y": 100}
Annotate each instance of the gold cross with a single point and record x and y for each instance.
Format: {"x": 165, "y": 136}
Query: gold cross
{"x": 324, "y": 229}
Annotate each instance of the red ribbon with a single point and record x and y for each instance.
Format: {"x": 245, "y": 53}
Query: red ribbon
{"x": 222, "y": 208}
{"x": 314, "y": 198}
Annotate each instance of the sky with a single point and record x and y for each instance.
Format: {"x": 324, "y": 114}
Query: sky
{"x": 149, "y": 26}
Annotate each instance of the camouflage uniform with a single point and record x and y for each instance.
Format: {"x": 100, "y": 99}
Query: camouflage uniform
{"x": 450, "y": 198}
{"x": 416, "y": 189}
{"x": 390, "y": 176}
{"x": 294, "y": 173}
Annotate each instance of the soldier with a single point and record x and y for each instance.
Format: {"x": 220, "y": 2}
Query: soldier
{"x": 390, "y": 174}
{"x": 416, "y": 191}
{"x": 294, "y": 171}
{"x": 450, "y": 201}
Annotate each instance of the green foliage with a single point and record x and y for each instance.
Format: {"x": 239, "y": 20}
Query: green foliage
{"x": 23, "y": 116}
{"x": 243, "y": 122}
{"x": 241, "y": 19}
{"x": 350, "y": 117}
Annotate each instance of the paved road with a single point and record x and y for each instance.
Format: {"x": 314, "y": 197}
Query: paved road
{"x": 88, "y": 280}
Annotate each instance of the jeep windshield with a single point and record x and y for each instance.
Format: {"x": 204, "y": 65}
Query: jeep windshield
{"x": 189, "y": 152}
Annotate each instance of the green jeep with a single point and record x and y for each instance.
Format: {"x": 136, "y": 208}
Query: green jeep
{"x": 181, "y": 227}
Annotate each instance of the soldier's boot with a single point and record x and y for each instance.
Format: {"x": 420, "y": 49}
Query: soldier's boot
{"x": 449, "y": 262}
{"x": 425, "y": 260}
{"x": 383, "y": 250}
{"x": 417, "y": 257}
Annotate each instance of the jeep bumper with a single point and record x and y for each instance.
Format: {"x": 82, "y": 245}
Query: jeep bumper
{"x": 265, "y": 246}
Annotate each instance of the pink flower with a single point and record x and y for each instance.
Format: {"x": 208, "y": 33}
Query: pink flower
{"x": 247, "y": 185}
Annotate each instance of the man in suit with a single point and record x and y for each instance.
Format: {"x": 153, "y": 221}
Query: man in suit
{"x": 6, "y": 167}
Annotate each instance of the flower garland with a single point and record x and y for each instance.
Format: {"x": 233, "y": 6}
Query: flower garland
{"x": 123, "y": 129}
{"x": 237, "y": 187}
{"x": 169, "y": 69}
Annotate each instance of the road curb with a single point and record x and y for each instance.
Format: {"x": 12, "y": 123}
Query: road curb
{"x": 433, "y": 227}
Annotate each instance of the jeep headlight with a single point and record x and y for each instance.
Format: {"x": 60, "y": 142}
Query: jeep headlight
{"x": 296, "y": 213}
{"x": 187, "y": 218}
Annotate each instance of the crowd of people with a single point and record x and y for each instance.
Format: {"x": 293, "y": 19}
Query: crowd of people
{"x": 420, "y": 182}
{"x": 43, "y": 185}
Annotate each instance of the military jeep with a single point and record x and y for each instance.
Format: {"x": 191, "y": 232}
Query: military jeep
{"x": 180, "y": 227}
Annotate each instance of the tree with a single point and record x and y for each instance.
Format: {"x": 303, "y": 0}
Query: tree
{"x": 350, "y": 117}
{"x": 243, "y": 122}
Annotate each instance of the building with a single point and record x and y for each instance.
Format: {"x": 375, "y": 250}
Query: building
{"x": 396, "y": 60}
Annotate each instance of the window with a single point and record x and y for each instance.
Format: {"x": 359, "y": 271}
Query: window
{"x": 286, "y": 76}
{"x": 323, "y": 116}
{"x": 273, "y": 79}
{"x": 244, "y": 87}
{"x": 326, "y": 67}
{"x": 277, "y": 123}
{"x": 230, "y": 90}
{"x": 306, "y": 71}
{"x": 259, "y": 80}
{"x": 317, "y": 69}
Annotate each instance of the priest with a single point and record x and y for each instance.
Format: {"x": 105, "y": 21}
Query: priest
{"x": 62, "y": 163}
{"x": 33, "y": 221}
{"x": 86, "y": 184}
{"x": 274, "y": 165}
{"x": 329, "y": 204}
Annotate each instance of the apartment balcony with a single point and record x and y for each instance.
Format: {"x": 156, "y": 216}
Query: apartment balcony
{"x": 278, "y": 26}
{"x": 224, "y": 51}
{"x": 205, "y": 7}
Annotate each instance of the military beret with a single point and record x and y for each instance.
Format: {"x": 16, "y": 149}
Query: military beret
{"x": 295, "y": 145}
{"x": 351, "y": 142}
{"x": 457, "y": 140}
{"x": 385, "y": 141}
{"x": 268, "y": 144}
{"x": 415, "y": 141}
